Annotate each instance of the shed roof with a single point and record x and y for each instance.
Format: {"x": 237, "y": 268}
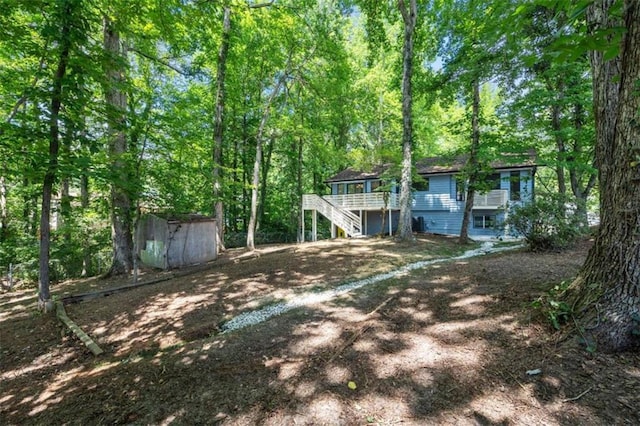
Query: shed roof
{"x": 441, "y": 165}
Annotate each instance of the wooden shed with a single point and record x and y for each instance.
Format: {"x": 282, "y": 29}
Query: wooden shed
{"x": 175, "y": 241}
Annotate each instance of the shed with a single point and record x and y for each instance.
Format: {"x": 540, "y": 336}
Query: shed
{"x": 176, "y": 241}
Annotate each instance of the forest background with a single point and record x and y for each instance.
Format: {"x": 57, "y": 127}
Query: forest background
{"x": 236, "y": 108}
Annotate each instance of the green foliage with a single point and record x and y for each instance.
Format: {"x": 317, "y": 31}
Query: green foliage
{"x": 340, "y": 105}
{"x": 546, "y": 223}
{"x": 555, "y": 310}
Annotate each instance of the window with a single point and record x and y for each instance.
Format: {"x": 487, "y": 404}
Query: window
{"x": 484, "y": 221}
{"x": 421, "y": 184}
{"x": 375, "y": 184}
{"x": 494, "y": 181}
{"x": 514, "y": 186}
{"x": 341, "y": 188}
{"x": 355, "y": 188}
{"x": 460, "y": 192}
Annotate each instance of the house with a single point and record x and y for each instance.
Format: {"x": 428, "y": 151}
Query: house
{"x": 168, "y": 242}
{"x": 357, "y": 206}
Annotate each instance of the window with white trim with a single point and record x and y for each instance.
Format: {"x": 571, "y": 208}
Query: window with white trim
{"x": 484, "y": 221}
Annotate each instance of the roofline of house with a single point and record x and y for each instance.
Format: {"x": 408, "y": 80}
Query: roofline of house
{"x": 447, "y": 170}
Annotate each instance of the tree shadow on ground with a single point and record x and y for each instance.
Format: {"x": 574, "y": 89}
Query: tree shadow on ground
{"x": 443, "y": 345}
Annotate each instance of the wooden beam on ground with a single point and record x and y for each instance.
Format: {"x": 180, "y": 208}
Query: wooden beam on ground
{"x": 77, "y": 298}
{"x": 61, "y": 313}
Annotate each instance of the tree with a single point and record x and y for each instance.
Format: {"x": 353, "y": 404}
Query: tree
{"x": 219, "y": 126}
{"x": 66, "y": 14}
{"x": 473, "y": 164}
{"x": 607, "y": 291}
{"x": 471, "y": 50}
{"x": 409, "y": 16}
{"x": 551, "y": 100}
{"x": 116, "y": 100}
{"x": 255, "y": 182}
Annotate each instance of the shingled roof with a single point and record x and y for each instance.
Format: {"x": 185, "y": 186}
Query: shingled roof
{"x": 351, "y": 174}
{"x": 441, "y": 165}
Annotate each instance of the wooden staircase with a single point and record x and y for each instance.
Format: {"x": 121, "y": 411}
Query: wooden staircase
{"x": 342, "y": 218}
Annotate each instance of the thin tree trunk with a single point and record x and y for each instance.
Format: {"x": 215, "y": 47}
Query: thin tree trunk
{"x": 116, "y": 99}
{"x": 245, "y": 171}
{"x": 236, "y": 184}
{"x": 64, "y": 215}
{"x": 580, "y": 191}
{"x": 255, "y": 182}
{"x": 26, "y": 206}
{"x": 4, "y": 216}
{"x": 299, "y": 191}
{"x": 266, "y": 165}
{"x": 473, "y": 164}
{"x": 44, "y": 295}
{"x": 560, "y": 150}
{"x": 409, "y": 15}
{"x": 219, "y": 128}
{"x": 84, "y": 204}
{"x": 607, "y": 291}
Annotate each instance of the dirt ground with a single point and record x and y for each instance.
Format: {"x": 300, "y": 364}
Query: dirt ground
{"x": 447, "y": 344}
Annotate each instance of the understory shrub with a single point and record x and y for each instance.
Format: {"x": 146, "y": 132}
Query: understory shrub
{"x": 546, "y": 224}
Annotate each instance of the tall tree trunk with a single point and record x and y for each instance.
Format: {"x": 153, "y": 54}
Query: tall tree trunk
{"x": 473, "y": 165}
{"x": 44, "y": 295}
{"x": 218, "y": 207}
{"x": 64, "y": 215}
{"x": 4, "y": 216}
{"x": 116, "y": 98}
{"x": 26, "y": 205}
{"x": 237, "y": 183}
{"x": 255, "y": 182}
{"x": 581, "y": 190}
{"x": 409, "y": 15}
{"x": 607, "y": 291}
{"x": 299, "y": 191}
{"x": 84, "y": 204}
{"x": 560, "y": 151}
{"x": 266, "y": 165}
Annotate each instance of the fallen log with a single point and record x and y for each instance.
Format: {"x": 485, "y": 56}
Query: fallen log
{"x": 61, "y": 313}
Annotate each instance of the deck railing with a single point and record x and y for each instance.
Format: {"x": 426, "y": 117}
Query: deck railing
{"x": 366, "y": 201}
{"x": 491, "y": 200}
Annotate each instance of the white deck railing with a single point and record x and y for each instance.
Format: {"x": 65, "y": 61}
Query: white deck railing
{"x": 348, "y": 221}
{"x": 366, "y": 201}
{"x": 491, "y": 200}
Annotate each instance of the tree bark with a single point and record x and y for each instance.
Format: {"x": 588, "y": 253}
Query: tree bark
{"x": 264, "y": 171}
{"x": 116, "y": 99}
{"x": 218, "y": 207}
{"x": 580, "y": 189}
{"x": 607, "y": 292}
{"x": 560, "y": 150}
{"x": 4, "y": 216}
{"x": 84, "y": 204}
{"x": 44, "y": 295}
{"x": 473, "y": 164}
{"x": 255, "y": 182}
{"x": 409, "y": 16}
{"x": 298, "y": 211}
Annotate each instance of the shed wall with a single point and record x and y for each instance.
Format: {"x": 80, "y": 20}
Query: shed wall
{"x": 163, "y": 244}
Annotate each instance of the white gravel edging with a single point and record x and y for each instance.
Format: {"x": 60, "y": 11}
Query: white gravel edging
{"x": 260, "y": 315}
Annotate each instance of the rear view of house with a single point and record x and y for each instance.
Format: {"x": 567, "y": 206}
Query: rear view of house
{"x": 361, "y": 203}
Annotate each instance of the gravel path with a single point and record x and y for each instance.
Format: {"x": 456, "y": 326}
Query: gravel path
{"x": 260, "y": 315}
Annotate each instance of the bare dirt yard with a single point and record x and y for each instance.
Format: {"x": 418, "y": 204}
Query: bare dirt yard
{"x": 450, "y": 343}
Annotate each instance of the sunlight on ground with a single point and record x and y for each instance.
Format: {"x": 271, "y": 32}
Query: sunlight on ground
{"x": 420, "y": 351}
{"x": 51, "y": 359}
